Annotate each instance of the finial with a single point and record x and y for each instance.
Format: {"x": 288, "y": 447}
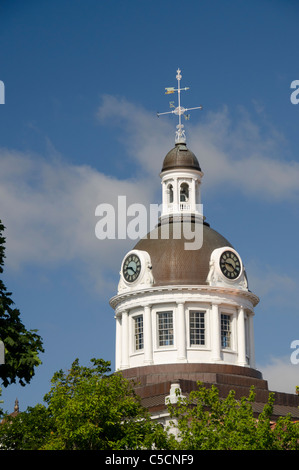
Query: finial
{"x": 180, "y": 136}
{"x": 16, "y": 407}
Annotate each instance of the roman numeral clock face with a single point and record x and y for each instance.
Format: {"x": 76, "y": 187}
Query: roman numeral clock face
{"x": 131, "y": 268}
{"x": 230, "y": 265}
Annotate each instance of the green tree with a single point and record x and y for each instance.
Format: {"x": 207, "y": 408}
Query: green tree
{"x": 88, "y": 409}
{"x": 22, "y": 346}
{"x": 1, "y": 401}
{"x": 26, "y": 431}
{"x": 93, "y": 409}
{"x": 203, "y": 421}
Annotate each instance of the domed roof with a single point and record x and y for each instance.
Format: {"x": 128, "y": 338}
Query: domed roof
{"x": 180, "y": 157}
{"x": 172, "y": 264}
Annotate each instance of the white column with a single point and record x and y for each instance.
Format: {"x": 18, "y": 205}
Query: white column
{"x": 198, "y": 195}
{"x": 164, "y": 198}
{"x": 193, "y": 195}
{"x": 125, "y": 340}
{"x": 164, "y": 201}
{"x": 215, "y": 333}
{"x": 147, "y": 332}
{"x": 251, "y": 340}
{"x": 176, "y": 195}
{"x": 164, "y": 193}
{"x": 181, "y": 332}
{"x": 118, "y": 342}
{"x": 241, "y": 338}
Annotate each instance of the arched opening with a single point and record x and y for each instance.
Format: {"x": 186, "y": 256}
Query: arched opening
{"x": 170, "y": 194}
{"x": 184, "y": 192}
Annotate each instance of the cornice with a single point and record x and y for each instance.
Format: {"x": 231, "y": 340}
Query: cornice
{"x": 200, "y": 289}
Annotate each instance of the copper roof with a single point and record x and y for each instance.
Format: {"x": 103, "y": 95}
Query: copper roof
{"x": 172, "y": 264}
{"x": 152, "y": 384}
{"x": 180, "y": 157}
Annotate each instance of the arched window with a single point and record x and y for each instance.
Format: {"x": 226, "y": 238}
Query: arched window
{"x": 184, "y": 192}
{"x": 170, "y": 193}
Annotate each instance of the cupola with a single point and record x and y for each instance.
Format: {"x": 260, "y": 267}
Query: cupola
{"x": 181, "y": 178}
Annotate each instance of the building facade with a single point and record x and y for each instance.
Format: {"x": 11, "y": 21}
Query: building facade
{"x": 183, "y": 299}
{"x": 184, "y": 311}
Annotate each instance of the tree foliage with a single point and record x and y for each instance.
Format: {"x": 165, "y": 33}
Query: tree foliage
{"x": 22, "y": 346}
{"x": 95, "y": 410}
{"x": 27, "y": 430}
{"x": 203, "y": 421}
{"x": 88, "y": 409}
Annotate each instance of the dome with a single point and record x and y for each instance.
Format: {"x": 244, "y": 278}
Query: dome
{"x": 172, "y": 264}
{"x": 180, "y": 157}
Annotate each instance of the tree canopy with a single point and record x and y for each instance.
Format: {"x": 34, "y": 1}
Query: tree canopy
{"x": 88, "y": 408}
{"x": 203, "y": 421}
{"x": 22, "y": 346}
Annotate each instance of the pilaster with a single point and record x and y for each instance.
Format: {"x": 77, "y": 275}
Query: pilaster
{"x": 241, "y": 337}
{"x": 181, "y": 332}
{"x": 148, "y": 337}
{"x": 125, "y": 340}
{"x": 215, "y": 333}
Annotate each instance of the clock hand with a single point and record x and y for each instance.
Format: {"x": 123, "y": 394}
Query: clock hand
{"x": 230, "y": 264}
{"x": 130, "y": 267}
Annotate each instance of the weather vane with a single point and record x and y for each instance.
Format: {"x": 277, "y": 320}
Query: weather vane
{"x": 180, "y": 136}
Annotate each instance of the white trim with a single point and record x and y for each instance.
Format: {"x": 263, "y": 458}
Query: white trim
{"x": 234, "y": 294}
{"x": 181, "y": 301}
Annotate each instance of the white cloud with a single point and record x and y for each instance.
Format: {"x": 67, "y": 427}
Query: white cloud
{"x": 281, "y": 374}
{"x": 48, "y": 205}
{"x": 247, "y": 156}
{"x": 279, "y": 300}
{"x": 146, "y": 138}
{"x": 48, "y": 209}
{"x": 275, "y": 288}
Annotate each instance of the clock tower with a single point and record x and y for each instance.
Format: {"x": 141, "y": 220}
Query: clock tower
{"x": 184, "y": 312}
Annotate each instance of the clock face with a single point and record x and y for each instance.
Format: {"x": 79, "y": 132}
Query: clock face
{"x": 131, "y": 267}
{"x": 230, "y": 265}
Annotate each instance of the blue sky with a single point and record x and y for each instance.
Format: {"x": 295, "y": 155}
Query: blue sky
{"x": 83, "y": 82}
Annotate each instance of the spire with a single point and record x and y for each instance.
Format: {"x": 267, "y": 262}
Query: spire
{"x": 16, "y": 407}
{"x": 180, "y": 137}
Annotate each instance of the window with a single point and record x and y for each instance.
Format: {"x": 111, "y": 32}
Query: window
{"x": 197, "y": 328}
{"x": 165, "y": 329}
{"x": 225, "y": 331}
{"x": 138, "y": 332}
